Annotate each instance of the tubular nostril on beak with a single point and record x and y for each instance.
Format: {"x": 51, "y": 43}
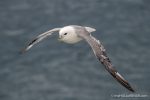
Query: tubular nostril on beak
{"x": 60, "y": 36}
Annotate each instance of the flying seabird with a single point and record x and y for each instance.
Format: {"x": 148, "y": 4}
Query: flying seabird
{"x": 72, "y": 34}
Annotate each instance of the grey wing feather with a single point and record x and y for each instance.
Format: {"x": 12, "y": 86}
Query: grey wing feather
{"x": 100, "y": 53}
{"x": 39, "y": 38}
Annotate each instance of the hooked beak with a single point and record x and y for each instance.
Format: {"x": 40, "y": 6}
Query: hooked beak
{"x": 60, "y": 38}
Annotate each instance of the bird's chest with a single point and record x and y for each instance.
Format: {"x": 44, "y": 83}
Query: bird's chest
{"x": 72, "y": 39}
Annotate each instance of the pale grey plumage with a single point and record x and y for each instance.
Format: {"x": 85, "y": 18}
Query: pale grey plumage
{"x": 77, "y": 33}
{"x": 40, "y": 38}
{"x": 100, "y": 53}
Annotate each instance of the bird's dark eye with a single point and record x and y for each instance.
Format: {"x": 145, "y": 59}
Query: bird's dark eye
{"x": 65, "y": 34}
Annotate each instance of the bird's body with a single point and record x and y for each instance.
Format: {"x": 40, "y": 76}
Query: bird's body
{"x": 73, "y": 34}
{"x": 73, "y": 31}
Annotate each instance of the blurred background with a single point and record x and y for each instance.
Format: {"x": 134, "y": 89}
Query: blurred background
{"x": 57, "y": 71}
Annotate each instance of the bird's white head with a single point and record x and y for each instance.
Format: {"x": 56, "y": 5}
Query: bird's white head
{"x": 68, "y": 35}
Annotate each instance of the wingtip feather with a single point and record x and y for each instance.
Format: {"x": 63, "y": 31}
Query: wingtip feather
{"x": 122, "y": 81}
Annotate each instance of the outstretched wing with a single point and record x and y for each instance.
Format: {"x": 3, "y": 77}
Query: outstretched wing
{"x": 100, "y": 53}
{"x": 39, "y": 38}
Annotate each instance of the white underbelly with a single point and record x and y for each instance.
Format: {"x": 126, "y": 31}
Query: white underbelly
{"x": 72, "y": 40}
